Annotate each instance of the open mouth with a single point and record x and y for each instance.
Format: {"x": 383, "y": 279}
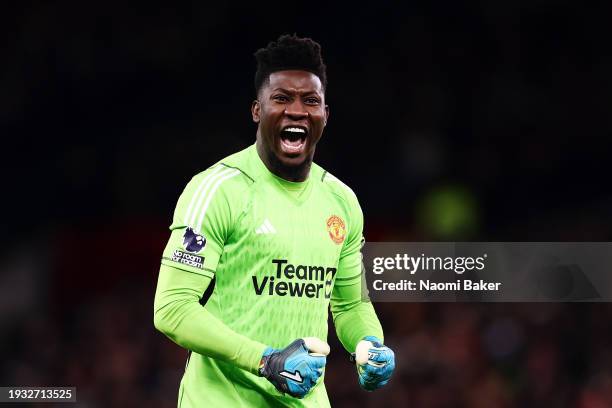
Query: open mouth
{"x": 293, "y": 139}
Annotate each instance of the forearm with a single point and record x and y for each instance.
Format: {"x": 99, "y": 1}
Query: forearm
{"x": 179, "y": 315}
{"x": 354, "y": 317}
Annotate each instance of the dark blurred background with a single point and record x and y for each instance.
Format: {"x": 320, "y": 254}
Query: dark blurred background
{"x": 452, "y": 121}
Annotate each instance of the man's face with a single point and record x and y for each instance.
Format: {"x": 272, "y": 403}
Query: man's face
{"x": 291, "y": 114}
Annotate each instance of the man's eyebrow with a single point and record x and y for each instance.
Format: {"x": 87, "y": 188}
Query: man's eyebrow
{"x": 289, "y": 91}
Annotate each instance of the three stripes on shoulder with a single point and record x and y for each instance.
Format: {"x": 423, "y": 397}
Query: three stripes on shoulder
{"x": 206, "y": 190}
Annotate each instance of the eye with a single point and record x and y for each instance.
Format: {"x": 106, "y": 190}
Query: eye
{"x": 281, "y": 98}
{"x": 312, "y": 100}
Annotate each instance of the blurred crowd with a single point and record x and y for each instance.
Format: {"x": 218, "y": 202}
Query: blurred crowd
{"x": 493, "y": 355}
{"x": 480, "y": 121}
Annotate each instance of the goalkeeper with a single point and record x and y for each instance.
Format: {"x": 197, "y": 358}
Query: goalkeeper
{"x": 263, "y": 243}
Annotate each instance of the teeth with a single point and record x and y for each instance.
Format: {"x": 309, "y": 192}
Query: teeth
{"x": 295, "y": 130}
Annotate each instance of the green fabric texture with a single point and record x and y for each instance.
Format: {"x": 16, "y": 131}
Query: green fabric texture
{"x": 354, "y": 317}
{"x": 180, "y": 316}
{"x": 279, "y": 253}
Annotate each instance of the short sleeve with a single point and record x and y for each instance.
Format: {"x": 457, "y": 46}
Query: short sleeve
{"x": 202, "y": 222}
{"x": 349, "y": 265}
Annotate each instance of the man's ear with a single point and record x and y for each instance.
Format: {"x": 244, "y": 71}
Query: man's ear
{"x": 326, "y": 115}
{"x": 255, "y": 109}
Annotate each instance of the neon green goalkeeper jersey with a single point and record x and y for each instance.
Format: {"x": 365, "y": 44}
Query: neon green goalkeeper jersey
{"x": 276, "y": 251}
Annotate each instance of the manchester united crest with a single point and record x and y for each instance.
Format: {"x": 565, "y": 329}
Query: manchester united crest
{"x": 336, "y": 229}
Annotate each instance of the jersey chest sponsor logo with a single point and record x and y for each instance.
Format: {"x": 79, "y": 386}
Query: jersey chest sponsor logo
{"x": 336, "y": 229}
{"x": 295, "y": 280}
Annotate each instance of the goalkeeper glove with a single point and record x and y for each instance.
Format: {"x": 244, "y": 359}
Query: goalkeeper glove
{"x": 296, "y": 368}
{"x": 375, "y": 363}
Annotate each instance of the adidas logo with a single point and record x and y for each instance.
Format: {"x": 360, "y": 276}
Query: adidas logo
{"x": 266, "y": 228}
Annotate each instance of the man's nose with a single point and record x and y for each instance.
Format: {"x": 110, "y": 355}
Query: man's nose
{"x": 296, "y": 110}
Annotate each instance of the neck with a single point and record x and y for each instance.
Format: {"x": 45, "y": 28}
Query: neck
{"x": 290, "y": 173}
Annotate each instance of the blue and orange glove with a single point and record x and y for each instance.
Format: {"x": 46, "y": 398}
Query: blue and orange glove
{"x": 295, "y": 369}
{"x": 375, "y": 363}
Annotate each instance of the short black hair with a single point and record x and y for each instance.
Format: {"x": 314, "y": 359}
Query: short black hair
{"x": 289, "y": 52}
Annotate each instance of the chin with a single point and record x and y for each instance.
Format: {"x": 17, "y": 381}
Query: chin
{"x": 291, "y": 161}
{"x": 290, "y": 166}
